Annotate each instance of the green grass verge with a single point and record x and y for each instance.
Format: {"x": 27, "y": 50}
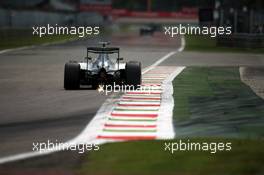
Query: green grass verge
{"x": 12, "y": 38}
{"x": 212, "y": 101}
{"x": 211, "y": 104}
{"x": 149, "y": 157}
{"x": 204, "y": 43}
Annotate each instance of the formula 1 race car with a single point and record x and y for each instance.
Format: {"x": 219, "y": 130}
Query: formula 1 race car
{"x": 148, "y": 30}
{"x": 101, "y": 66}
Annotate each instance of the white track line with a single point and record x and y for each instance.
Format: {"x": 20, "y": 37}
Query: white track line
{"x": 90, "y": 133}
{"x": 158, "y": 62}
{"x": 166, "y": 56}
{"x": 37, "y": 45}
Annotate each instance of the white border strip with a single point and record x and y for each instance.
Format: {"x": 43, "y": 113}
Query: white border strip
{"x": 165, "y": 120}
{"x": 90, "y": 133}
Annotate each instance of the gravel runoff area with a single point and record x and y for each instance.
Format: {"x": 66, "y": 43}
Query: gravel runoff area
{"x": 254, "y": 78}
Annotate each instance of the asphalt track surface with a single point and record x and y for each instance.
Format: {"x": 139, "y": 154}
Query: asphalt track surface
{"x": 35, "y": 107}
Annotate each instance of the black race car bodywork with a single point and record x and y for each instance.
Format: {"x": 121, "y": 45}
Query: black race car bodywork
{"x": 102, "y": 65}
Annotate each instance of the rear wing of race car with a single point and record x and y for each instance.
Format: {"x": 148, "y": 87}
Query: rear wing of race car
{"x": 106, "y": 50}
{"x": 103, "y": 49}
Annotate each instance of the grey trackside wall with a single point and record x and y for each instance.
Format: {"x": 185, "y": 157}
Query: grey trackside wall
{"x": 4, "y": 18}
{"x": 85, "y": 18}
{"x": 25, "y": 19}
{"x": 241, "y": 41}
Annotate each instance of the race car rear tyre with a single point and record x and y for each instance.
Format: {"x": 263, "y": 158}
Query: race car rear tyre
{"x": 71, "y": 76}
{"x": 133, "y": 73}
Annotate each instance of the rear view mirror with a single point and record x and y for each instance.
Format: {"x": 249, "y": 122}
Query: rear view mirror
{"x": 120, "y": 59}
{"x": 88, "y": 58}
